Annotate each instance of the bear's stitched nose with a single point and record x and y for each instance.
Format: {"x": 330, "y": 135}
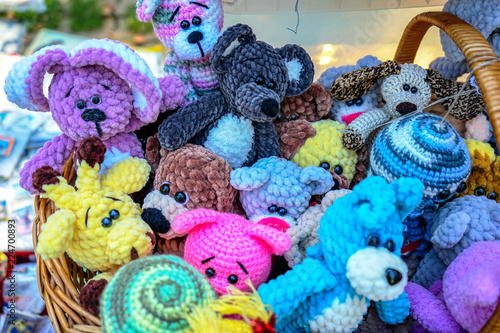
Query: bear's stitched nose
{"x": 405, "y": 108}
{"x": 93, "y": 115}
{"x": 336, "y": 185}
{"x": 393, "y": 276}
{"x": 155, "y": 219}
{"x": 270, "y": 107}
{"x": 195, "y": 37}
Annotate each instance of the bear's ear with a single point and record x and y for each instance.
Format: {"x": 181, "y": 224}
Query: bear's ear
{"x": 409, "y": 193}
{"x": 300, "y": 68}
{"x": 232, "y": 37}
{"x": 277, "y": 240}
{"x": 186, "y": 222}
{"x": 320, "y": 180}
{"x": 146, "y": 9}
{"x": 248, "y": 179}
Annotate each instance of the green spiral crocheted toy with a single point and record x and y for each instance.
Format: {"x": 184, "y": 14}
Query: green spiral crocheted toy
{"x": 153, "y": 294}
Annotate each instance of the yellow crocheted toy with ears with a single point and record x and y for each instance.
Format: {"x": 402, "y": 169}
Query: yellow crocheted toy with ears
{"x": 97, "y": 224}
{"x": 484, "y": 178}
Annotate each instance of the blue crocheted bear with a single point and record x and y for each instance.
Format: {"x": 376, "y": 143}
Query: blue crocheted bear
{"x": 276, "y": 187}
{"x": 357, "y": 260}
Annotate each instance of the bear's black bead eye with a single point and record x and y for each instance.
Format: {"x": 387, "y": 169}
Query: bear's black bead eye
{"x": 390, "y": 245}
{"x": 114, "y": 214}
{"x": 461, "y": 188}
{"x": 180, "y": 197}
{"x": 260, "y": 80}
{"x": 338, "y": 170}
{"x": 95, "y": 99}
{"x": 106, "y": 222}
{"x": 278, "y": 118}
{"x": 350, "y": 103}
{"x": 373, "y": 240}
{"x": 293, "y": 117}
{"x": 196, "y": 21}
{"x": 492, "y": 196}
{"x": 273, "y": 209}
{"x": 480, "y": 191}
{"x": 271, "y": 85}
{"x": 185, "y": 25}
{"x": 443, "y": 195}
{"x": 282, "y": 211}
{"x": 165, "y": 188}
{"x": 406, "y": 87}
{"x": 414, "y": 90}
{"x": 210, "y": 272}
{"x": 359, "y": 102}
{"x": 325, "y": 165}
{"x": 80, "y": 105}
{"x": 233, "y": 279}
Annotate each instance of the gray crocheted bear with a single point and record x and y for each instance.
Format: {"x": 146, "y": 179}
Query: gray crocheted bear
{"x": 279, "y": 188}
{"x": 457, "y": 225}
{"x": 236, "y": 122}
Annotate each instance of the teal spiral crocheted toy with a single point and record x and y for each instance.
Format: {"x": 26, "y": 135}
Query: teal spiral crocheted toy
{"x": 153, "y": 294}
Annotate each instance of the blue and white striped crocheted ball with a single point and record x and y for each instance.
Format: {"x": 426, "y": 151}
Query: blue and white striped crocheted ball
{"x": 425, "y": 147}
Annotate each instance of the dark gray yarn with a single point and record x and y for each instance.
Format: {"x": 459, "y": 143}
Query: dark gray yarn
{"x": 238, "y": 73}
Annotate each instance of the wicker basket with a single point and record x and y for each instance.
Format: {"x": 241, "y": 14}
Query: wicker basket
{"x": 59, "y": 280}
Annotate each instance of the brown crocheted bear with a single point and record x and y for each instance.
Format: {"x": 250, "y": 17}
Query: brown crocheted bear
{"x": 484, "y": 178}
{"x": 188, "y": 178}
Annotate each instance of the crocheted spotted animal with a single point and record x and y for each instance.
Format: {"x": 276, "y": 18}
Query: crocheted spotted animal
{"x": 229, "y": 249}
{"x": 457, "y": 225}
{"x": 345, "y": 112}
{"x": 185, "y": 179}
{"x": 236, "y": 123}
{"x": 484, "y": 179}
{"x": 405, "y": 89}
{"x": 355, "y": 261}
{"x": 275, "y": 187}
{"x": 189, "y": 29}
{"x": 101, "y": 88}
{"x": 484, "y": 15}
{"x": 97, "y": 224}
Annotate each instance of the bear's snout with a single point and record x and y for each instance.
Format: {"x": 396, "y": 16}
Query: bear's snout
{"x": 270, "y": 107}
{"x": 195, "y": 37}
{"x": 393, "y": 276}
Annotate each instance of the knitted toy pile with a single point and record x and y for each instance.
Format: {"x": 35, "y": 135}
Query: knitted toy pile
{"x": 97, "y": 224}
{"x": 355, "y": 261}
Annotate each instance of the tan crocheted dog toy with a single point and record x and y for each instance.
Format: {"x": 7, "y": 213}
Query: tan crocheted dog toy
{"x": 406, "y": 88}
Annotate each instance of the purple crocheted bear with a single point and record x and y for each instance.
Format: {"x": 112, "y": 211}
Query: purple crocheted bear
{"x": 101, "y": 88}
{"x": 466, "y": 297}
{"x": 236, "y": 122}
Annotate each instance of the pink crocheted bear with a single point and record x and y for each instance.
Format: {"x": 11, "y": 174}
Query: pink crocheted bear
{"x": 189, "y": 29}
{"x": 228, "y": 249}
{"x": 101, "y": 88}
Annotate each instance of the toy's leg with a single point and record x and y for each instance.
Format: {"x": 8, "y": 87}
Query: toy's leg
{"x": 90, "y": 294}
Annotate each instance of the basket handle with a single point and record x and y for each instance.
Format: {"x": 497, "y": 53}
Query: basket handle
{"x": 473, "y": 45}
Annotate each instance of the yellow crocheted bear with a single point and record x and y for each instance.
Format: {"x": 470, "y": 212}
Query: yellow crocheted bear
{"x": 97, "y": 224}
{"x": 485, "y": 174}
{"x": 325, "y": 149}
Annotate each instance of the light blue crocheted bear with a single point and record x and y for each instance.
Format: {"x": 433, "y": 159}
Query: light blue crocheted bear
{"x": 276, "y": 187}
{"x": 357, "y": 260}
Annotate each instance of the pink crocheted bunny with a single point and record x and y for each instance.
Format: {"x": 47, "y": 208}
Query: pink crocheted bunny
{"x": 228, "y": 249}
{"x": 101, "y": 88}
{"x": 189, "y": 29}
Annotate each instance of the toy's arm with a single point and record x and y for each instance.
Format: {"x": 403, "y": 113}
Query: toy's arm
{"x": 54, "y": 153}
{"x": 430, "y": 269}
{"x": 56, "y": 234}
{"x": 395, "y": 311}
{"x": 266, "y": 140}
{"x": 126, "y": 143}
{"x": 174, "y": 93}
{"x": 478, "y": 128}
{"x": 176, "y": 130}
{"x": 429, "y": 311}
{"x": 358, "y": 131}
{"x": 175, "y": 67}
{"x": 288, "y": 291}
{"x": 128, "y": 176}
